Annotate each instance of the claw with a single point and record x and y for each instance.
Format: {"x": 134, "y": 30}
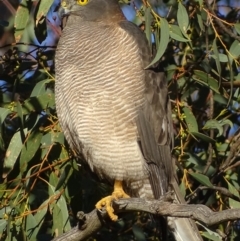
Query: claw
{"x": 107, "y": 201}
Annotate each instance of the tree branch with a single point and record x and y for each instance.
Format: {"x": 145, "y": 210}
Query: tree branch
{"x": 220, "y": 24}
{"x": 91, "y": 222}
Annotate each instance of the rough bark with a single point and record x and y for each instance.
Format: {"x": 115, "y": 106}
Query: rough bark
{"x": 91, "y": 222}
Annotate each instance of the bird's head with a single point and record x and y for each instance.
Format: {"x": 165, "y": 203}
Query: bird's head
{"x": 91, "y": 10}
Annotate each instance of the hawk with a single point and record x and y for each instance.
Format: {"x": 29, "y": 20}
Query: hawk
{"x": 115, "y": 113}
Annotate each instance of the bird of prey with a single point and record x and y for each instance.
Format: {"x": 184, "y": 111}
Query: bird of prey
{"x": 115, "y": 113}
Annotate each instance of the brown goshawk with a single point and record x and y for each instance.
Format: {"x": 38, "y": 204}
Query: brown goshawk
{"x": 113, "y": 111}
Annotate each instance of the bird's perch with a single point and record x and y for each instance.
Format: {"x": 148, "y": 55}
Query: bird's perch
{"x": 92, "y": 222}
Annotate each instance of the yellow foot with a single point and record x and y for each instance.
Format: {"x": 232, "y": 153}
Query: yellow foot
{"x": 107, "y": 201}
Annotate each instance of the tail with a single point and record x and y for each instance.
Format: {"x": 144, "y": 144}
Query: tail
{"x": 161, "y": 175}
{"x": 183, "y": 229}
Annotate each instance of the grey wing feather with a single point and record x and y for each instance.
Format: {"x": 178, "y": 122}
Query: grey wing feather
{"x": 155, "y": 129}
{"x": 155, "y": 132}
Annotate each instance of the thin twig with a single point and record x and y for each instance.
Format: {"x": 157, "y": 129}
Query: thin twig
{"x": 220, "y": 24}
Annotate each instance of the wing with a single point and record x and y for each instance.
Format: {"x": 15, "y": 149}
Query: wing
{"x": 155, "y": 132}
{"x": 154, "y": 119}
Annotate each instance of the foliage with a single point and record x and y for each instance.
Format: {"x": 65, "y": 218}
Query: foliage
{"x": 199, "y": 50}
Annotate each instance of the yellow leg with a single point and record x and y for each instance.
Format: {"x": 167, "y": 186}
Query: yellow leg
{"x": 107, "y": 201}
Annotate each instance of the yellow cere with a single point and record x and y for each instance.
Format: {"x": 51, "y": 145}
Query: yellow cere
{"x": 63, "y": 4}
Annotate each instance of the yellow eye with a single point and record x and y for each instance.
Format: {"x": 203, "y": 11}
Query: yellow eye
{"x": 82, "y": 2}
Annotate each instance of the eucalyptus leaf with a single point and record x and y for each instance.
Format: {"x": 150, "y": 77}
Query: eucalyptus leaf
{"x": 138, "y": 233}
{"x": 13, "y": 152}
{"x": 203, "y": 137}
{"x": 175, "y": 33}
{"x": 21, "y": 19}
{"x": 164, "y": 39}
{"x": 237, "y": 27}
{"x": 3, "y": 114}
{"x": 234, "y": 191}
{"x": 190, "y": 120}
{"x": 65, "y": 175}
{"x": 203, "y": 179}
{"x": 148, "y": 22}
{"x": 30, "y": 148}
{"x": 40, "y": 88}
{"x": 206, "y": 80}
{"x": 38, "y": 103}
{"x": 217, "y": 60}
{"x": 214, "y": 124}
{"x": 43, "y": 8}
{"x": 183, "y": 19}
{"x": 31, "y": 227}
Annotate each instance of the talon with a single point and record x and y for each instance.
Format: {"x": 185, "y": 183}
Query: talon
{"x": 107, "y": 201}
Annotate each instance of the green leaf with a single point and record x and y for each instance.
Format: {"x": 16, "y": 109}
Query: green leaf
{"x": 43, "y": 8}
{"x": 206, "y": 80}
{"x": 196, "y": 162}
{"x": 60, "y": 214}
{"x": 175, "y": 33}
{"x": 182, "y": 188}
{"x": 190, "y": 120}
{"x": 200, "y": 3}
{"x": 164, "y": 39}
{"x": 226, "y": 122}
{"x": 181, "y": 82}
{"x": 214, "y": 124}
{"x": 5, "y": 211}
{"x": 138, "y": 233}
{"x": 200, "y": 22}
{"x": 220, "y": 57}
{"x": 20, "y": 113}
{"x": 30, "y": 148}
{"x": 148, "y": 22}
{"x": 220, "y": 98}
{"x": 57, "y": 220}
{"x": 203, "y": 137}
{"x": 58, "y": 137}
{"x": 234, "y": 50}
{"x": 222, "y": 147}
{"x": 42, "y": 210}
{"x": 215, "y": 51}
{"x": 65, "y": 214}
{"x": 65, "y": 175}
{"x": 13, "y": 152}
{"x": 3, "y": 187}
{"x": 211, "y": 235}
{"x": 237, "y": 27}
{"x": 31, "y": 227}
{"x": 21, "y": 20}
{"x": 3, "y": 114}
{"x": 234, "y": 191}
{"x": 40, "y": 88}
{"x": 48, "y": 140}
{"x": 204, "y": 180}
{"x": 183, "y": 19}
{"x": 61, "y": 222}
{"x": 38, "y": 103}
{"x": 3, "y": 225}
{"x": 53, "y": 179}
{"x": 53, "y": 137}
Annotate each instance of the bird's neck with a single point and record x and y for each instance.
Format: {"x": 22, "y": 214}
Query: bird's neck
{"x": 107, "y": 19}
